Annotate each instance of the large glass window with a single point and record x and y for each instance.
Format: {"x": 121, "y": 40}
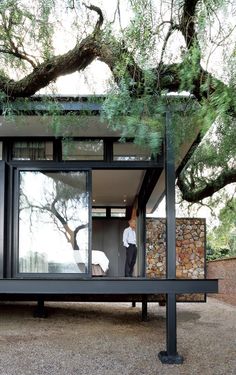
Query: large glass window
{"x": 130, "y": 152}
{"x": 53, "y": 222}
{"x": 32, "y": 151}
{"x": 82, "y": 150}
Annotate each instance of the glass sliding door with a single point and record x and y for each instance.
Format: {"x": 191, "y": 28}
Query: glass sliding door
{"x": 53, "y": 222}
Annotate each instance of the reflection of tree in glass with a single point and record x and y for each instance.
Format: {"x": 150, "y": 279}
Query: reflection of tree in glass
{"x": 82, "y": 149}
{"x": 63, "y": 197}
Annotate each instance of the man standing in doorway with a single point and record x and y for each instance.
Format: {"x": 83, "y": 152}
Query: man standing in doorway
{"x": 129, "y": 241}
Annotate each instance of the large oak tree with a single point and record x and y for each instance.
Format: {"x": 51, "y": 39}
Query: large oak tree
{"x": 152, "y": 48}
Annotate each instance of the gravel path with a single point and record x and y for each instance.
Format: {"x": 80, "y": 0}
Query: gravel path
{"x": 110, "y": 339}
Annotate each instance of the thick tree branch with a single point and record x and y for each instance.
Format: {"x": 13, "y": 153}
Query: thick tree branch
{"x": 109, "y": 51}
{"x": 111, "y": 56}
{"x": 187, "y": 22}
{"x": 43, "y": 74}
{"x": 97, "y": 46}
{"x": 76, "y": 59}
{"x": 226, "y": 177}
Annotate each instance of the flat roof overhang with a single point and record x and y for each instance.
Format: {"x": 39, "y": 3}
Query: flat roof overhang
{"x": 41, "y": 126}
{"x": 33, "y": 118}
{"x": 28, "y": 124}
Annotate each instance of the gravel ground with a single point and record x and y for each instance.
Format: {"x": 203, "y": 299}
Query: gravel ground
{"x": 110, "y": 339}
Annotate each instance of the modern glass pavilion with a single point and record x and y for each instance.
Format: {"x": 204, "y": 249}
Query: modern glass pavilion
{"x": 66, "y": 201}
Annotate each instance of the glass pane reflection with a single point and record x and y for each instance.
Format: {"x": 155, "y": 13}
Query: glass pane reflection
{"x": 32, "y": 151}
{"x": 130, "y": 152}
{"x": 53, "y": 222}
{"x": 82, "y": 150}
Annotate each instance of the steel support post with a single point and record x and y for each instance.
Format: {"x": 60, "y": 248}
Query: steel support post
{"x": 170, "y": 355}
{"x": 2, "y": 215}
{"x": 144, "y": 309}
{"x": 40, "y": 311}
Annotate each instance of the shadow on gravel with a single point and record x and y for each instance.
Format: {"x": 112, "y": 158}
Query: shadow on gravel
{"x": 115, "y": 313}
{"x": 187, "y": 316}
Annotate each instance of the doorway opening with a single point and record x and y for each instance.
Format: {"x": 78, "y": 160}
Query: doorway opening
{"x": 114, "y": 195}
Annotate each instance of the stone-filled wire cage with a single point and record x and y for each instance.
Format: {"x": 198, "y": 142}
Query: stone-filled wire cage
{"x": 190, "y": 251}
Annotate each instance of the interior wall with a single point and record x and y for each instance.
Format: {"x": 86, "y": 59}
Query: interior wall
{"x": 107, "y": 237}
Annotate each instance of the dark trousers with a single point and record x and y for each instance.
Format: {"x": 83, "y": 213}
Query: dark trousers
{"x": 131, "y": 255}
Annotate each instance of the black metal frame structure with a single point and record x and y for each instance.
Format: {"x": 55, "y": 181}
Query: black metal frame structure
{"x": 2, "y": 217}
{"x": 15, "y": 220}
{"x": 170, "y": 355}
{"x": 110, "y": 289}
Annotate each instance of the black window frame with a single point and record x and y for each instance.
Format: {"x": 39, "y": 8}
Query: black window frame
{"x": 15, "y": 240}
{"x": 107, "y": 162}
{"x": 58, "y": 165}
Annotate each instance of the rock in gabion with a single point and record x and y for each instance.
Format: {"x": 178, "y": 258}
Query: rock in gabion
{"x": 190, "y": 251}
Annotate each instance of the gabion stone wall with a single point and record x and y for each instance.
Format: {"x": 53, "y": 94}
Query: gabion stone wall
{"x": 190, "y": 250}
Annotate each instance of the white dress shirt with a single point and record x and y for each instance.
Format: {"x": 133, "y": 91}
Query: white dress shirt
{"x": 129, "y": 237}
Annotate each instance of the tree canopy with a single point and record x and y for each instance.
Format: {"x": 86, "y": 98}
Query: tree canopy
{"x": 152, "y": 49}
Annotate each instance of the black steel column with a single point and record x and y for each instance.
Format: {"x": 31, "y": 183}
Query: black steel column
{"x": 40, "y": 311}
{"x": 2, "y": 215}
{"x": 144, "y": 309}
{"x": 170, "y": 200}
{"x": 170, "y": 356}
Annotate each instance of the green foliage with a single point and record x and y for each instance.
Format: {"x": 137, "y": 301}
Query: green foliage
{"x": 26, "y": 32}
{"x": 223, "y": 236}
{"x": 217, "y": 253}
{"x": 7, "y": 107}
{"x": 139, "y": 35}
{"x": 215, "y": 154}
{"x": 136, "y": 106}
{"x": 141, "y": 118}
{"x": 144, "y": 118}
{"x": 220, "y": 103}
{"x": 46, "y": 29}
{"x": 214, "y": 118}
{"x": 190, "y": 68}
{"x": 227, "y": 215}
{"x": 207, "y": 12}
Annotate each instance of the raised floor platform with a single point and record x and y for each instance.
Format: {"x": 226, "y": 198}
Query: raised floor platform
{"x": 101, "y": 287}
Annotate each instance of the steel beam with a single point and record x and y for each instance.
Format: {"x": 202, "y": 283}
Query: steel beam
{"x": 105, "y": 286}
